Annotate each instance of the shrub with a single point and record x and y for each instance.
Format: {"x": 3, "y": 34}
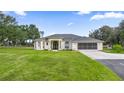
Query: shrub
{"x": 45, "y": 49}
{"x": 117, "y": 48}
{"x": 67, "y": 50}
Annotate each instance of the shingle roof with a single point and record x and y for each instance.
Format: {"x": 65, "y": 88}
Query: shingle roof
{"x": 63, "y": 36}
{"x": 74, "y": 38}
{"x": 87, "y": 40}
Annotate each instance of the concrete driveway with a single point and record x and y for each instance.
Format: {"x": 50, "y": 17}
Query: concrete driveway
{"x": 95, "y": 54}
{"x": 114, "y": 61}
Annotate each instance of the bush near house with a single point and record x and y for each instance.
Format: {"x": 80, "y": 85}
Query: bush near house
{"x": 117, "y": 48}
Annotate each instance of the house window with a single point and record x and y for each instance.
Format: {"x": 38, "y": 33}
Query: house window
{"x": 47, "y": 43}
{"x": 67, "y": 44}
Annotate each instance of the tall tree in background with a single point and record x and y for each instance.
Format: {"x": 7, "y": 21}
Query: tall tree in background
{"x": 116, "y": 35}
{"x": 104, "y": 33}
{"x": 6, "y": 27}
{"x": 33, "y": 32}
{"x": 95, "y": 34}
{"x": 13, "y": 34}
{"x": 121, "y": 29}
{"x": 111, "y": 35}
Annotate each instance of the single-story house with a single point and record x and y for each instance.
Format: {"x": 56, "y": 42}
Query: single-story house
{"x": 67, "y": 41}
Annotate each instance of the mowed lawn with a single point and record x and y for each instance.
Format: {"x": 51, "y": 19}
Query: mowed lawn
{"x": 29, "y": 64}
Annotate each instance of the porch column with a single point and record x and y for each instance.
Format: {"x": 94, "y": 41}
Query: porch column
{"x": 51, "y": 44}
{"x": 59, "y": 44}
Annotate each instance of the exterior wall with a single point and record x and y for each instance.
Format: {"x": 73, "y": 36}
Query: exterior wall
{"x": 70, "y": 45}
{"x": 35, "y": 45}
{"x": 74, "y": 46}
{"x": 38, "y": 45}
{"x": 62, "y": 45}
{"x": 99, "y": 46}
{"x": 46, "y": 45}
{"x": 41, "y": 45}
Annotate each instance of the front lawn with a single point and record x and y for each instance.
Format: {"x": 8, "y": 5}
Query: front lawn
{"x": 28, "y": 64}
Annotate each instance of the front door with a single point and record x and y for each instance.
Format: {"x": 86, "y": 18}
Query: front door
{"x": 55, "y": 45}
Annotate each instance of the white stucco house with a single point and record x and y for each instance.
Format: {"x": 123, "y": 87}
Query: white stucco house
{"x": 67, "y": 41}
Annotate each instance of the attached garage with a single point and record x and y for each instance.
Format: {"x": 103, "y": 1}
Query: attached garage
{"x": 87, "y": 45}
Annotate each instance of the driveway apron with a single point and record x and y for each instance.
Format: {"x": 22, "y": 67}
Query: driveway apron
{"x": 114, "y": 61}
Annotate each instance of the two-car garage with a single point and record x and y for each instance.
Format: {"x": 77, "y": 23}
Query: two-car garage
{"x": 87, "y": 45}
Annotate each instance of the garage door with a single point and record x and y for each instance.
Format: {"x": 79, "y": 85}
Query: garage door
{"x": 87, "y": 45}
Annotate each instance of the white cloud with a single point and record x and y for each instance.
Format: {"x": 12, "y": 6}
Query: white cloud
{"x": 21, "y": 13}
{"x": 69, "y": 24}
{"x": 83, "y": 12}
{"x": 107, "y": 15}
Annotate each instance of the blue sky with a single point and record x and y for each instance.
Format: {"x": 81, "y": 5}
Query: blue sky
{"x": 74, "y": 22}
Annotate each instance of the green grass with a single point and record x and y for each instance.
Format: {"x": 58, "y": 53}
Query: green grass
{"x": 28, "y": 64}
{"x": 113, "y": 51}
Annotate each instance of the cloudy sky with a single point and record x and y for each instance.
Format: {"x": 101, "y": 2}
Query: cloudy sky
{"x": 74, "y": 22}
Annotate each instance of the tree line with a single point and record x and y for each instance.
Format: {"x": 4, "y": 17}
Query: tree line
{"x": 13, "y": 34}
{"x": 110, "y": 35}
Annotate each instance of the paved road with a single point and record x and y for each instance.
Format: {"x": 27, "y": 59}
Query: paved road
{"x": 113, "y": 61}
{"x": 117, "y": 65}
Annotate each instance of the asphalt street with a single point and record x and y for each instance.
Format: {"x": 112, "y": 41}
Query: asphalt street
{"x": 117, "y": 65}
